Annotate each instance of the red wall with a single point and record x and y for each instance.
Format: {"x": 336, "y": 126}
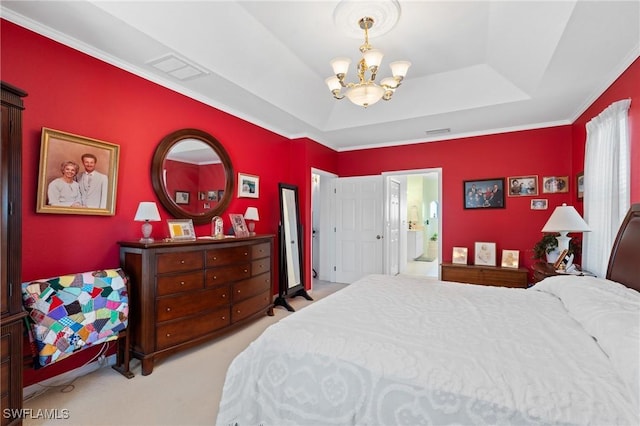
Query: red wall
{"x": 76, "y": 93}
{"x": 542, "y": 152}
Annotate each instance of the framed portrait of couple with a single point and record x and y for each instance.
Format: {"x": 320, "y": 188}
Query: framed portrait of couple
{"x": 77, "y": 174}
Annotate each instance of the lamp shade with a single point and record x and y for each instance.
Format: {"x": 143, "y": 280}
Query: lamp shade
{"x": 365, "y": 94}
{"x": 565, "y": 219}
{"x": 251, "y": 214}
{"x": 147, "y": 211}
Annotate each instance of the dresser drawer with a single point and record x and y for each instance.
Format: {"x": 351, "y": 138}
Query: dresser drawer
{"x": 250, "y": 306}
{"x": 247, "y": 288}
{"x": 225, "y": 274}
{"x": 179, "y": 283}
{"x": 180, "y": 261}
{"x": 173, "y": 307}
{"x": 181, "y": 331}
{"x": 466, "y": 275}
{"x": 228, "y": 255}
{"x": 259, "y": 251}
{"x": 260, "y": 266}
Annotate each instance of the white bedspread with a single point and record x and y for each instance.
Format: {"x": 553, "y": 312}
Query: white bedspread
{"x": 409, "y": 351}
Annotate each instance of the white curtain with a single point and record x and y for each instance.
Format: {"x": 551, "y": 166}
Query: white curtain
{"x": 606, "y": 183}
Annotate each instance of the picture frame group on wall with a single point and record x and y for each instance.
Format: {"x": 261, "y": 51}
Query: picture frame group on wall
{"x": 248, "y": 186}
{"x": 77, "y": 174}
{"x": 485, "y": 254}
{"x": 459, "y": 255}
{"x": 181, "y": 229}
{"x": 555, "y": 184}
{"x": 510, "y": 259}
{"x": 483, "y": 193}
{"x": 520, "y": 186}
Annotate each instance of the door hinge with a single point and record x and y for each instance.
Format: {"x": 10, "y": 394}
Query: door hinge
{"x": 334, "y": 269}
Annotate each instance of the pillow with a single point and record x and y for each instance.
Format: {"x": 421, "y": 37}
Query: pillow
{"x": 69, "y": 312}
{"x": 608, "y": 311}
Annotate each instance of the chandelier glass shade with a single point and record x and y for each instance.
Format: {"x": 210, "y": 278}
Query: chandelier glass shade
{"x": 366, "y": 91}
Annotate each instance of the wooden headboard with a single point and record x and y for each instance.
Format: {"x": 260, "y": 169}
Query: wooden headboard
{"x": 624, "y": 263}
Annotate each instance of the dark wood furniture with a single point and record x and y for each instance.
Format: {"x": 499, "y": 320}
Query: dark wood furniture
{"x": 185, "y": 293}
{"x": 485, "y": 275}
{"x": 542, "y": 270}
{"x": 624, "y": 265}
{"x": 10, "y": 237}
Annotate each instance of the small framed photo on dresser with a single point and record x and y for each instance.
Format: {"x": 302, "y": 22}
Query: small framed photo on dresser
{"x": 459, "y": 255}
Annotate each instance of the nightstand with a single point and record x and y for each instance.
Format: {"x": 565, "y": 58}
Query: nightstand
{"x": 542, "y": 270}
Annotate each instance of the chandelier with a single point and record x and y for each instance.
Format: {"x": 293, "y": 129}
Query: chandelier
{"x": 366, "y": 92}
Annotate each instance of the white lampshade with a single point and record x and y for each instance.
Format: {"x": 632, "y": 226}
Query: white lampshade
{"x": 365, "y": 94}
{"x": 147, "y": 211}
{"x": 251, "y": 214}
{"x": 373, "y": 58}
{"x": 399, "y": 68}
{"x": 340, "y": 65}
{"x": 333, "y": 83}
{"x": 565, "y": 219}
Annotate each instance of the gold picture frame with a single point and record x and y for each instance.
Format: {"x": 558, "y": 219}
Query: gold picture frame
{"x": 239, "y": 225}
{"x": 555, "y": 184}
{"x": 522, "y": 186}
{"x": 77, "y": 175}
{"x": 459, "y": 255}
{"x": 181, "y": 229}
{"x": 510, "y": 259}
{"x": 248, "y": 186}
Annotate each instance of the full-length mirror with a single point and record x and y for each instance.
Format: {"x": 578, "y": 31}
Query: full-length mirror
{"x": 291, "y": 242}
{"x": 192, "y": 175}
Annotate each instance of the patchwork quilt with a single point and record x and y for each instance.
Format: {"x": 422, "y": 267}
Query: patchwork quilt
{"x": 70, "y": 312}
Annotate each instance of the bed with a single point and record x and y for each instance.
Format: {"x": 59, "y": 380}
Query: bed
{"x": 409, "y": 350}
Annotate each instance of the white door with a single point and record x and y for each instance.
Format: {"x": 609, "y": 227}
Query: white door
{"x": 359, "y": 229}
{"x": 392, "y": 235}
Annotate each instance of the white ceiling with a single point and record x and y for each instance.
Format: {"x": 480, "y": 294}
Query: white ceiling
{"x": 478, "y": 67}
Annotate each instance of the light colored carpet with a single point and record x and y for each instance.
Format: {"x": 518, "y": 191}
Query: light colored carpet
{"x": 184, "y": 389}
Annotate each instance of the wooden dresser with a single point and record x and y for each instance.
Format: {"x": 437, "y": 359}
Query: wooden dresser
{"x": 184, "y": 293}
{"x": 485, "y": 275}
{"x": 10, "y": 246}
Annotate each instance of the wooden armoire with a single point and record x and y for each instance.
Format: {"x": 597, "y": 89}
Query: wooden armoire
{"x": 11, "y": 248}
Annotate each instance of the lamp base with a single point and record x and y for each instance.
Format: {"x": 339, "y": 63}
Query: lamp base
{"x": 146, "y": 233}
{"x": 252, "y": 226}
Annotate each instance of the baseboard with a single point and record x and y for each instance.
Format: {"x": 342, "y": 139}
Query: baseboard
{"x": 66, "y": 377}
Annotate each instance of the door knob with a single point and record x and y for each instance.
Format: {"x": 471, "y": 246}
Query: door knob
{"x": 379, "y": 237}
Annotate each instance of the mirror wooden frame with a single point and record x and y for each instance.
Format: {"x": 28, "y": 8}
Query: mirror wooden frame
{"x": 157, "y": 179}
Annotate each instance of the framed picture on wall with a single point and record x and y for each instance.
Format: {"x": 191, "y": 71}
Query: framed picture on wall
{"x": 483, "y": 193}
{"x": 580, "y": 185}
{"x": 248, "y": 186}
{"x": 522, "y": 186}
{"x": 539, "y": 204}
{"x": 78, "y": 175}
{"x": 555, "y": 184}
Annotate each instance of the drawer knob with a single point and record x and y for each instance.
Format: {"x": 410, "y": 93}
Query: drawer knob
{"x": 224, "y": 318}
{"x": 182, "y": 261}
{"x": 246, "y": 253}
{"x": 224, "y": 296}
{"x": 238, "y": 291}
{"x": 246, "y": 270}
{"x": 215, "y": 258}
{"x": 169, "y": 309}
{"x": 238, "y": 311}
{"x": 181, "y": 282}
{"x": 215, "y": 277}
{"x": 168, "y": 334}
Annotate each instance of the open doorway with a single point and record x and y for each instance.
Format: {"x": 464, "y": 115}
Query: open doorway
{"x": 419, "y": 203}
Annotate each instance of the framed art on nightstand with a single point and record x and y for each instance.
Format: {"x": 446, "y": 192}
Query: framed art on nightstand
{"x": 510, "y": 259}
{"x": 459, "y": 255}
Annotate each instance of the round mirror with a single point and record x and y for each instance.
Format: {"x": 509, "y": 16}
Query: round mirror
{"x": 192, "y": 175}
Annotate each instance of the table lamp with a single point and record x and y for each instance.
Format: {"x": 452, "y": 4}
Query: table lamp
{"x": 251, "y": 216}
{"x": 147, "y": 212}
{"x": 565, "y": 219}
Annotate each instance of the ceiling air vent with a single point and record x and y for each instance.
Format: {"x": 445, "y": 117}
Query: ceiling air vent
{"x": 434, "y": 132}
{"x": 177, "y": 67}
